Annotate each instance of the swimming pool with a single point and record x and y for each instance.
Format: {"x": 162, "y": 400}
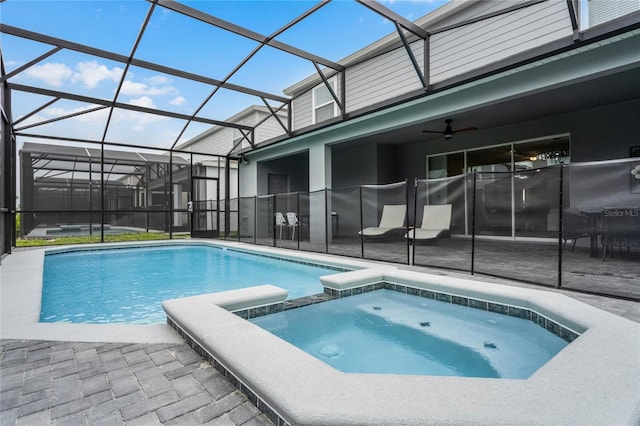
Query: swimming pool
{"x": 394, "y": 333}
{"x": 81, "y": 230}
{"x": 128, "y": 285}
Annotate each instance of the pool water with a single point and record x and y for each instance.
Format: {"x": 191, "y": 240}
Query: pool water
{"x": 390, "y": 332}
{"x": 129, "y": 285}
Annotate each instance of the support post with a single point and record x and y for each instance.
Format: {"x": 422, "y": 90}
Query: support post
{"x": 560, "y": 224}
{"x": 473, "y": 224}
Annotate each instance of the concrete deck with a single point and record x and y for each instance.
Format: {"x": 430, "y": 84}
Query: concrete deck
{"x": 42, "y": 352}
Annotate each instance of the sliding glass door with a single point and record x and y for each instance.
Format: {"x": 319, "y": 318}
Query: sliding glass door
{"x": 511, "y": 196}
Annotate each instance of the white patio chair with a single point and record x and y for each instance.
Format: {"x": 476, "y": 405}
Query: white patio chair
{"x": 280, "y": 223}
{"x": 392, "y": 218}
{"x": 292, "y": 220}
{"x": 436, "y": 220}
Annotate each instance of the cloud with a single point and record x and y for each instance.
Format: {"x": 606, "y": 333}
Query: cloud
{"x": 143, "y": 101}
{"x": 158, "y": 80}
{"x": 138, "y": 120}
{"x": 92, "y": 73}
{"x": 178, "y": 100}
{"x": 92, "y": 118}
{"x": 51, "y": 73}
{"x": 133, "y": 88}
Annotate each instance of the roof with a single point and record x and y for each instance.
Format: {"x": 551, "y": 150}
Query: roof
{"x": 87, "y": 154}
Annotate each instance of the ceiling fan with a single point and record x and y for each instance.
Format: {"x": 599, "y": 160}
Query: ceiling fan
{"x": 449, "y": 132}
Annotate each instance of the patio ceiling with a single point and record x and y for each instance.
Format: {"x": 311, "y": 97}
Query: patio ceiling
{"x": 226, "y": 83}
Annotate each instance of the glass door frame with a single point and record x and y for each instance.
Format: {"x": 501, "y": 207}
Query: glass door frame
{"x": 512, "y": 149}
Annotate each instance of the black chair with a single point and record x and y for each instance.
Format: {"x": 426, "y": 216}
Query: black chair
{"x": 576, "y": 225}
{"x": 620, "y": 226}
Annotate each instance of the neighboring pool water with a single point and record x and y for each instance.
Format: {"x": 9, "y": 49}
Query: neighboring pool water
{"x": 128, "y": 285}
{"x": 390, "y": 332}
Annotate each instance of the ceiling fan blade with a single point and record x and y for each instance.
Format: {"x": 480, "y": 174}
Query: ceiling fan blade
{"x": 466, "y": 129}
{"x": 432, "y": 131}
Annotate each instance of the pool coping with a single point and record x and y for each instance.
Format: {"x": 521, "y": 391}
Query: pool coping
{"x": 21, "y": 290}
{"x": 292, "y": 387}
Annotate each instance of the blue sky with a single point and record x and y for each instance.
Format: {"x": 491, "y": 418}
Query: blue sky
{"x": 337, "y": 30}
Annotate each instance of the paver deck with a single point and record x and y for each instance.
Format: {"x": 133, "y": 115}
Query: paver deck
{"x": 64, "y": 383}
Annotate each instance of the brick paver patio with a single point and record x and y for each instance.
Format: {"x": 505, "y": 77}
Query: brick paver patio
{"x": 61, "y": 383}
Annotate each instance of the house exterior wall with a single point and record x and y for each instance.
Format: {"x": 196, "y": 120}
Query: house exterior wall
{"x": 267, "y": 130}
{"x": 297, "y": 171}
{"x": 221, "y": 140}
{"x": 605, "y": 10}
{"x": 452, "y": 53}
{"x": 479, "y": 44}
{"x": 218, "y": 143}
{"x": 384, "y": 77}
{"x": 302, "y": 110}
{"x": 354, "y": 166}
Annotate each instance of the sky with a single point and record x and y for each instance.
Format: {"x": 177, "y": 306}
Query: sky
{"x": 170, "y": 39}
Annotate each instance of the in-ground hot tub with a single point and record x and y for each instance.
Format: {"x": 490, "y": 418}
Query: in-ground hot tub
{"x": 391, "y": 332}
{"x": 594, "y": 380}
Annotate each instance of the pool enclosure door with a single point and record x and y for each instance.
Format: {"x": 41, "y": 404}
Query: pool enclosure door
{"x": 205, "y": 210}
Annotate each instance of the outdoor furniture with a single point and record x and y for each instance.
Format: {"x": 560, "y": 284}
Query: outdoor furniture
{"x": 594, "y": 216}
{"x": 280, "y": 223}
{"x": 293, "y": 223}
{"x": 393, "y": 217}
{"x": 620, "y": 226}
{"x": 575, "y": 225}
{"x": 436, "y": 221}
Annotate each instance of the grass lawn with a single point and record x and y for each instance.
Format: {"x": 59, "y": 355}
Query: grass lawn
{"x": 85, "y": 239}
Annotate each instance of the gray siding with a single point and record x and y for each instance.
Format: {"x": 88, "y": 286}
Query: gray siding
{"x": 220, "y": 141}
{"x": 473, "y": 46}
{"x": 302, "y": 110}
{"x": 269, "y": 129}
{"x": 383, "y": 77}
{"x": 605, "y": 10}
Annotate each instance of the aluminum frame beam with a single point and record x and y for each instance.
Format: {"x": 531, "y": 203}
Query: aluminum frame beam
{"x": 394, "y": 17}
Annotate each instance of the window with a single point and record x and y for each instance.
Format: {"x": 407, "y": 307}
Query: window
{"x": 324, "y": 107}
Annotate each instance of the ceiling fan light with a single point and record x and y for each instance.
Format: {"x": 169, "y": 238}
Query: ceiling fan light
{"x": 448, "y": 131}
